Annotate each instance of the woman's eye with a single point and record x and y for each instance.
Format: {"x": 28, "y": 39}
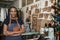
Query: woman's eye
{"x": 12, "y": 11}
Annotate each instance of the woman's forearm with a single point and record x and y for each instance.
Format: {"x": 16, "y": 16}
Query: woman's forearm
{"x": 17, "y": 33}
{"x": 13, "y": 33}
{"x": 8, "y": 33}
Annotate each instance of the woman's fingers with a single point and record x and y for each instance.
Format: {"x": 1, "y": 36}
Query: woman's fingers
{"x": 14, "y": 18}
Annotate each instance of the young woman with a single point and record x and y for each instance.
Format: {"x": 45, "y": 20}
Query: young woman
{"x": 13, "y": 25}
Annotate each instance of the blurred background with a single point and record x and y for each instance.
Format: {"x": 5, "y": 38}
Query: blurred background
{"x": 41, "y": 18}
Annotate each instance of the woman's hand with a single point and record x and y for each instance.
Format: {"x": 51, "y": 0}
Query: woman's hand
{"x": 13, "y": 33}
{"x": 15, "y": 18}
{"x": 16, "y": 33}
{"x": 22, "y": 30}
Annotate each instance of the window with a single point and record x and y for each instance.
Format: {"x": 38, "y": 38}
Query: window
{"x": 29, "y": 1}
{"x": 23, "y": 3}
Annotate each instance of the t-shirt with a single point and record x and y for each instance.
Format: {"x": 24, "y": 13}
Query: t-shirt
{"x": 20, "y": 21}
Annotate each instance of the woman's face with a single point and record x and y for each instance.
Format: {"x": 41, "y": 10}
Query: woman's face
{"x": 13, "y": 12}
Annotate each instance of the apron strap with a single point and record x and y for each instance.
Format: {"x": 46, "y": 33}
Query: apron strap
{"x": 9, "y": 22}
{"x": 16, "y": 21}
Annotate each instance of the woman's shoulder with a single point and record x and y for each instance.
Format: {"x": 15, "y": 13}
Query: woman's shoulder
{"x": 6, "y": 21}
{"x": 20, "y": 21}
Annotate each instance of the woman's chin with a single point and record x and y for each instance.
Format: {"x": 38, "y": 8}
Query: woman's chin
{"x": 13, "y": 16}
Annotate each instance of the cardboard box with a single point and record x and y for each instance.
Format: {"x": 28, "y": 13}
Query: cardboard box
{"x": 51, "y": 1}
{"x": 45, "y": 16}
{"x": 46, "y": 3}
{"x": 40, "y": 15}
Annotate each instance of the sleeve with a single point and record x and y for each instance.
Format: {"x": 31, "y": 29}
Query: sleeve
{"x": 5, "y": 21}
{"x": 21, "y": 22}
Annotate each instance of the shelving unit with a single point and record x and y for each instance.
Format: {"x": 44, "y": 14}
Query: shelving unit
{"x": 42, "y": 15}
